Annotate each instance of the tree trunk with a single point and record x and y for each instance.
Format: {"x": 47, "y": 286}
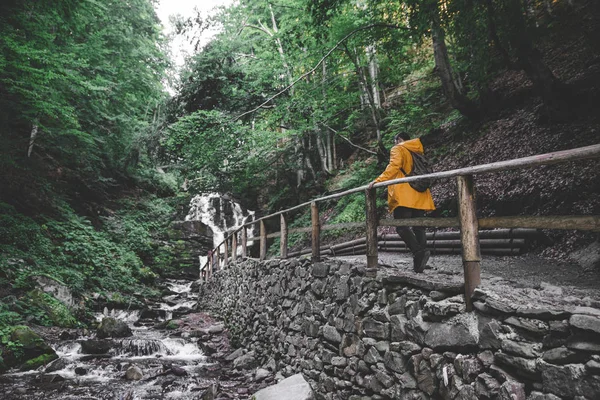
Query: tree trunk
{"x": 442, "y": 62}
{"x": 493, "y": 34}
{"x": 530, "y": 59}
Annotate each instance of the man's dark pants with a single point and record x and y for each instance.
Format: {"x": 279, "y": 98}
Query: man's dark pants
{"x": 414, "y": 237}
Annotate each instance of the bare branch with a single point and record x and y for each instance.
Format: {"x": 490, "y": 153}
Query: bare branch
{"x": 348, "y": 140}
{"x": 338, "y": 44}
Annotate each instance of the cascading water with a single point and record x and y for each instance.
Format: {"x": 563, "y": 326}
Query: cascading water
{"x": 221, "y": 214}
{"x": 80, "y": 373}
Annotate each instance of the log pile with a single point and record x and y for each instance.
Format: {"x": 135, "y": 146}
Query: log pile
{"x": 503, "y": 242}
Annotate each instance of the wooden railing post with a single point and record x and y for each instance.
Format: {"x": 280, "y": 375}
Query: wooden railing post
{"x": 316, "y": 232}
{"x": 234, "y": 247}
{"x": 226, "y": 253}
{"x": 283, "y": 247}
{"x": 217, "y": 257}
{"x": 469, "y": 235}
{"x": 263, "y": 240}
{"x": 371, "y": 211}
{"x": 209, "y": 266}
{"x": 244, "y": 241}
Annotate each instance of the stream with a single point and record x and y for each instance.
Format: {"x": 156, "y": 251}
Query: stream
{"x": 154, "y": 363}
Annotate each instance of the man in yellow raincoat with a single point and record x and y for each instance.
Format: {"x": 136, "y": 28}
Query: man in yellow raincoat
{"x": 406, "y": 202}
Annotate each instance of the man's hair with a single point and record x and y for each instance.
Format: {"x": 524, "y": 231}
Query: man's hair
{"x": 401, "y": 135}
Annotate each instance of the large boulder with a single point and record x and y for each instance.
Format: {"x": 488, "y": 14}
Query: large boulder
{"x": 33, "y": 351}
{"x": 111, "y": 327}
{"x": 293, "y": 388}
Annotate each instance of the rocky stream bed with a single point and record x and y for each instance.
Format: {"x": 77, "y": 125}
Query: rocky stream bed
{"x": 173, "y": 352}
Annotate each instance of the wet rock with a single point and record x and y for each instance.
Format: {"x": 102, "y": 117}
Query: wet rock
{"x": 261, "y": 374}
{"x": 57, "y": 365}
{"x": 292, "y": 388}
{"x": 521, "y": 349}
{"x": 331, "y": 334}
{"x": 246, "y": 361}
{"x": 80, "y": 371}
{"x": 134, "y": 373}
{"x": 92, "y": 346}
{"x": 178, "y": 371}
{"x": 511, "y": 390}
{"x": 569, "y": 381}
{"x": 562, "y": 355}
{"x": 585, "y": 322}
{"x": 111, "y": 327}
{"x": 237, "y": 353}
{"x": 542, "y": 396}
{"x": 462, "y": 333}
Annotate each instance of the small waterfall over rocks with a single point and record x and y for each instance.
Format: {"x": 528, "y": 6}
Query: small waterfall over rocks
{"x": 221, "y": 214}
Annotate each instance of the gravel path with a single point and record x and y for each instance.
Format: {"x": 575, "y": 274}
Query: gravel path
{"x": 518, "y": 272}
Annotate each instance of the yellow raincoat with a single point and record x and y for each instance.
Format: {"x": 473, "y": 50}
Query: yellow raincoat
{"x": 402, "y": 194}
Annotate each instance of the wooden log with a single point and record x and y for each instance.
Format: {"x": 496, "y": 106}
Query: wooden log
{"x": 316, "y": 232}
{"x": 234, "y": 246}
{"x": 351, "y": 243}
{"x": 263, "y": 240}
{"x": 244, "y": 241}
{"x": 483, "y": 234}
{"x": 469, "y": 232}
{"x": 457, "y": 251}
{"x": 283, "y": 246}
{"x": 483, "y": 243}
{"x": 371, "y": 237}
{"x": 568, "y": 222}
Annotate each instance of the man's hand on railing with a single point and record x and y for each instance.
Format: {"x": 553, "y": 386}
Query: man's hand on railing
{"x": 371, "y": 185}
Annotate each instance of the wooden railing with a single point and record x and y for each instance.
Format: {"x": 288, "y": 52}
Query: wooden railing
{"x": 467, "y": 220}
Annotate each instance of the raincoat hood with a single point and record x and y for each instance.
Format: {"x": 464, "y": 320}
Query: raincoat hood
{"x": 413, "y": 145}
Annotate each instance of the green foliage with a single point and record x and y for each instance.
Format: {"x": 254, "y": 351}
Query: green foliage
{"x": 51, "y": 311}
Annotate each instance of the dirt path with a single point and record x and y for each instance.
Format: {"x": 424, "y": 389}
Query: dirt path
{"x": 519, "y": 272}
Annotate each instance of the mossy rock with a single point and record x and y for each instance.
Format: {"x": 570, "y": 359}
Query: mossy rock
{"x": 56, "y": 311}
{"x": 38, "y": 362}
{"x": 28, "y": 350}
{"x": 172, "y": 324}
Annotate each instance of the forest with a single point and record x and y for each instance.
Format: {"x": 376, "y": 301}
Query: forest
{"x": 103, "y": 142}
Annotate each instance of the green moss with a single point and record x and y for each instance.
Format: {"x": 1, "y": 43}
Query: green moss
{"x": 56, "y": 313}
{"x": 38, "y": 362}
{"x": 172, "y": 325}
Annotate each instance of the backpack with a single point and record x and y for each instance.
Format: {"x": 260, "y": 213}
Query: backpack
{"x": 420, "y": 167}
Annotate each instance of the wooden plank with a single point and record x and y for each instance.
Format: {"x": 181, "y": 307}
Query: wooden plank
{"x": 371, "y": 216}
{"x": 234, "y": 246}
{"x": 283, "y": 245}
{"x": 469, "y": 233}
{"x": 263, "y": 240}
{"x": 316, "y": 232}
{"x": 244, "y": 241}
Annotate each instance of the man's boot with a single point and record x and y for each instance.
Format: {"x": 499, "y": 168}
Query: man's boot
{"x": 420, "y": 260}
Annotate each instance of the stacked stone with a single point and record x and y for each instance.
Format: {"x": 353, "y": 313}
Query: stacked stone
{"x": 401, "y": 337}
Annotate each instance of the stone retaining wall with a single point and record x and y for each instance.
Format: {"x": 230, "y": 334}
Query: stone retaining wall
{"x": 403, "y": 336}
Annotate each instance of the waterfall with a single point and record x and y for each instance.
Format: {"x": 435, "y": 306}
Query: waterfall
{"x": 221, "y": 214}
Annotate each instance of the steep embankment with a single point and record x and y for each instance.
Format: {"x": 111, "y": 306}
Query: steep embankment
{"x": 516, "y": 125}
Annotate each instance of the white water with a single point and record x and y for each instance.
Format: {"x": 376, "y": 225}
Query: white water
{"x": 221, "y": 214}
